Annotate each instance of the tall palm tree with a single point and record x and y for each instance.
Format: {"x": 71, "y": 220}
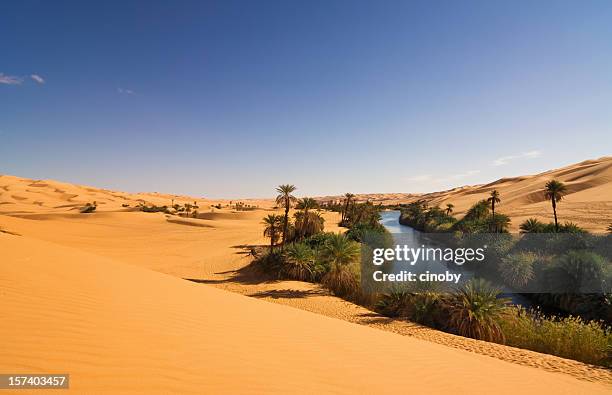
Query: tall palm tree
{"x": 285, "y": 199}
{"x": 555, "y": 190}
{"x": 273, "y": 224}
{"x": 449, "y": 208}
{"x": 349, "y": 197}
{"x": 494, "y": 199}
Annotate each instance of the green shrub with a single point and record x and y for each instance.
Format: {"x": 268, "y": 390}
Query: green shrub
{"x": 154, "y": 209}
{"x": 517, "y": 269}
{"x": 392, "y": 303}
{"x": 299, "y": 262}
{"x": 270, "y": 262}
{"x": 342, "y": 255}
{"x": 568, "y": 337}
{"x": 476, "y": 311}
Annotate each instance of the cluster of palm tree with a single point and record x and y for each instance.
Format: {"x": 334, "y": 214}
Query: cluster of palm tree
{"x": 308, "y": 220}
{"x": 354, "y": 213}
{"x": 349, "y": 201}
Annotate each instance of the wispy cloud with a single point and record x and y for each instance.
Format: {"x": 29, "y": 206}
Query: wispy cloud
{"x": 504, "y": 160}
{"x": 10, "y": 79}
{"x": 123, "y": 91}
{"x": 37, "y": 78}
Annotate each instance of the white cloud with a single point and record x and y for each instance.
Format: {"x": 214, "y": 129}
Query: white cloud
{"x": 504, "y": 160}
{"x": 125, "y": 91}
{"x": 37, "y": 78}
{"x": 10, "y": 79}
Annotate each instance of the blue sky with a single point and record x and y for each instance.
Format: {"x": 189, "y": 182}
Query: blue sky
{"x": 230, "y": 99}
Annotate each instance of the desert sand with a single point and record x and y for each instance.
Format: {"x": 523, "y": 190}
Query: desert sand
{"x": 104, "y": 297}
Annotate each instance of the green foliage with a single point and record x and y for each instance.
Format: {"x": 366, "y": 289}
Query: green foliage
{"x": 531, "y": 225}
{"x": 517, "y": 269}
{"x": 578, "y": 271}
{"x": 307, "y": 223}
{"x": 476, "y": 311}
{"x": 342, "y": 256}
{"x": 270, "y": 262}
{"x": 285, "y": 199}
{"x": 555, "y": 190}
{"x": 568, "y": 337}
{"x": 299, "y": 262}
{"x": 272, "y": 228}
{"x": 392, "y": 303}
{"x": 153, "y": 209}
{"x": 420, "y": 216}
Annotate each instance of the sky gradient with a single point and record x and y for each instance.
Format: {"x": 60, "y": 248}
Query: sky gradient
{"x": 230, "y": 99}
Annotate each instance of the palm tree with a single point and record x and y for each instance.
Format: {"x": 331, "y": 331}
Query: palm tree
{"x": 299, "y": 262}
{"x": 555, "y": 191}
{"x": 341, "y": 254}
{"x": 500, "y": 223}
{"x": 272, "y": 230}
{"x": 349, "y": 197}
{"x": 307, "y": 222}
{"x": 285, "y": 199}
{"x": 494, "y": 199}
{"x": 449, "y": 208}
{"x": 476, "y": 311}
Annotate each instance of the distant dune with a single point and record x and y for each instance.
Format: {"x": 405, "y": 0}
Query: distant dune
{"x": 588, "y": 202}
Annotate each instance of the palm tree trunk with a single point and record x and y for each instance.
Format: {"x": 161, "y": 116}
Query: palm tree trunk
{"x": 493, "y": 215}
{"x": 554, "y": 204}
{"x": 285, "y": 223}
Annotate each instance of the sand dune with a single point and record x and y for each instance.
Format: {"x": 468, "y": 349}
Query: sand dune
{"x": 122, "y": 329}
{"x": 587, "y": 203}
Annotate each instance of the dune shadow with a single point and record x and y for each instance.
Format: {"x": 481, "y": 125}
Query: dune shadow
{"x": 248, "y": 249}
{"x": 248, "y": 275}
{"x": 287, "y": 293}
{"x": 205, "y": 281}
{"x": 375, "y": 318}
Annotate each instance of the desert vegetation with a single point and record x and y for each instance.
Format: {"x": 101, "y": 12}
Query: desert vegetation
{"x": 89, "y": 208}
{"x": 569, "y": 324}
{"x": 307, "y": 253}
